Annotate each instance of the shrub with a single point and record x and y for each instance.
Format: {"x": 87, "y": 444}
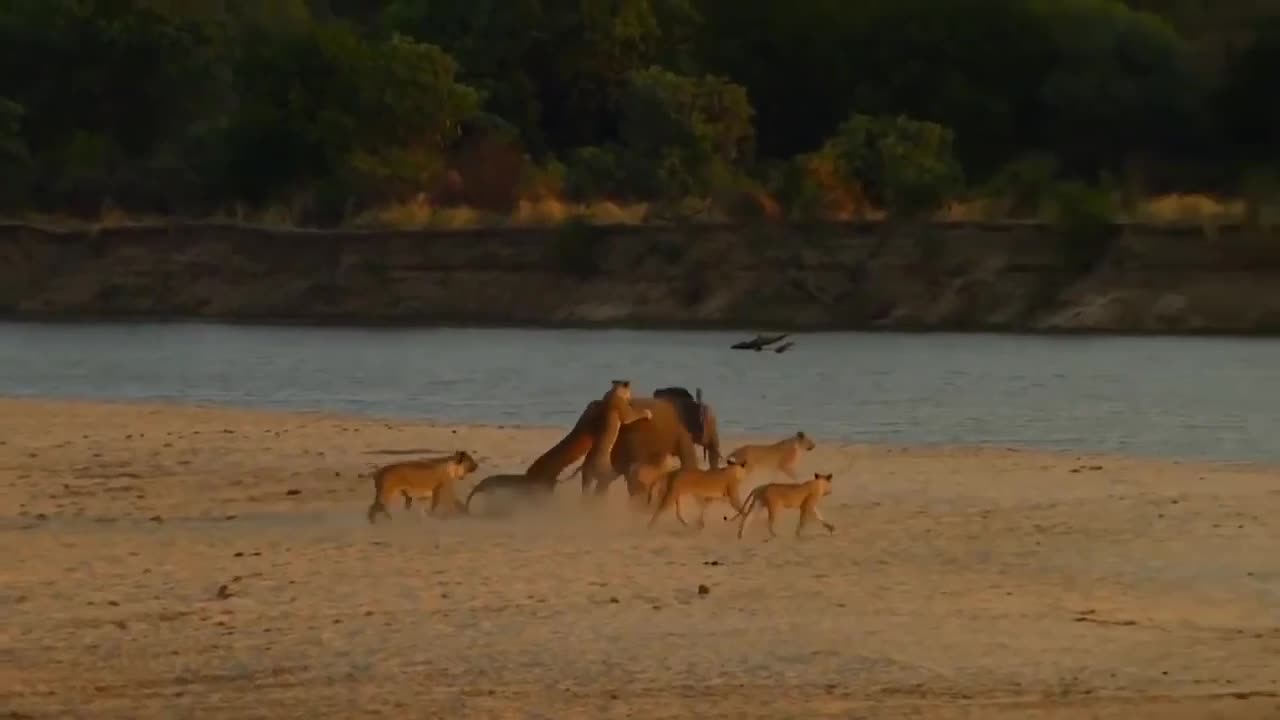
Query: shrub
{"x": 908, "y": 167}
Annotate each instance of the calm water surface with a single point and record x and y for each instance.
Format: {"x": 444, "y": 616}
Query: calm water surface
{"x": 1182, "y": 397}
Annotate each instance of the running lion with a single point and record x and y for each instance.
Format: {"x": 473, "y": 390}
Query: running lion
{"x": 777, "y": 496}
{"x": 418, "y": 479}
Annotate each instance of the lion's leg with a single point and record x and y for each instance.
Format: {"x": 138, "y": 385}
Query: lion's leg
{"x": 656, "y": 490}
{"x": 376, "y": 508}
{"x": 734, "y": 498}
{"x": 459, "y": 507}
{"x": 702, "y": 512}
{"x": 806, "y": 510}
{"x": 676, "y": 502}
{"x": 408, "y": 499}
{"x": 742, "y": 524}
{"x": 668, "y": 499}
{"x": 444, "y": 497}
{"x": 773, "y": 513}
{"x": 789, "y": 469}
{"x": 817, "y": 515}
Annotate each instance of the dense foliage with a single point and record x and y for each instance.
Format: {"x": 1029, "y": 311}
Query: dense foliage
{"x": 329, "y": 107}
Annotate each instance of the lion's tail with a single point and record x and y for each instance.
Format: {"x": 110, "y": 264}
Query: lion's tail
{"x": 480, "y": 486}
{"x": 752, "y": 498}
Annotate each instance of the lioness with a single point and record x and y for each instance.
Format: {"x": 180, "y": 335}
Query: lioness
{"x": 703, "y": 485}
{"x": 776, "y": 496}
{"x": 597, "y": 467}
{"x": 418, "y": 479}
{"x": 617, "y": 411}
{"x": 526, "y": 485}
{"x": 780, "y": 456}
{"x": 646, "y": 482}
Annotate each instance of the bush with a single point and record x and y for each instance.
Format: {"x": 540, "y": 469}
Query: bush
{"x": 593, "y": 172}
{"x": 908, "y": 167}
{"x": 1085, "y": 218}
{"x": 1022, "y": 189}
{"x": 697, "y": 130}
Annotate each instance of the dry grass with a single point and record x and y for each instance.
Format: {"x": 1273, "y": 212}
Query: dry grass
{"x": 1175, "y": 208}
{"x": 1182, "y": 208}
{"x": 973, "y": 210}
{"x": 422, "y": 214}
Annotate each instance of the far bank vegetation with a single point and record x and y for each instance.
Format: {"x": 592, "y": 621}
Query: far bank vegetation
{"x": 446, "y": 115}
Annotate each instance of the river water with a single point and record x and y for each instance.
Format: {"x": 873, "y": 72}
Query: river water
{"x": 1214, "y": 398}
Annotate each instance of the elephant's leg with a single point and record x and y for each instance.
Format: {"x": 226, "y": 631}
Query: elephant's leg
{"x": 685, "y": 450}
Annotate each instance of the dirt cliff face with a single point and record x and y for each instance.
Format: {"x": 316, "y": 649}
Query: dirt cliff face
{"x": 970, "y": 276}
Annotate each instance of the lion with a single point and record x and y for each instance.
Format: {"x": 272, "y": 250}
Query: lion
{"x": 680, "y": 421}
{"x": 508, "y": 481}
{"x": 703, "y": 485}
{"x": 420, "y": 478}
{"x": 777, "y": 496}
{"x": 617, "y": 411}
{"x": 780, "y": 456}
{"x": 646, "y": 482}
{"x": 597, "y": 469}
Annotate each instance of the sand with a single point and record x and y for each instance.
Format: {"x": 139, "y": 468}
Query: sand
{"x": 165, "y": 562}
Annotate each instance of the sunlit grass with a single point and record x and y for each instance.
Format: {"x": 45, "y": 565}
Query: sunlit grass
{"x": 546, "y": 211}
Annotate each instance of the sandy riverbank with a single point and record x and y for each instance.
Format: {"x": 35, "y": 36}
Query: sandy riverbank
{"x": 961, "y": 583}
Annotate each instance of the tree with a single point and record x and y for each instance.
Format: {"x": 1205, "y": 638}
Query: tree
{"x": 554, "y": 68}
{"x": 1120, "y": 85}
{"x": 13, "y": 152}
{"x": 905, "y": 166}
{"x": 12, "y": 147}
{"x": 330, "y": 112}
{"x": 1248, "y": 106}
{"x": 697, "y": 128}
{"x": 119, "y": 87}
{"x": 972, "y": 65}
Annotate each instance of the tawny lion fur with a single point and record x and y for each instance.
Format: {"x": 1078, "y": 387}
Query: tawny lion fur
{"x": 598, "y": 468}
{"x": 540, "y": 478}
{"x": 651, "y": 440}
{"x": 703, "y": 485}
{"x": 780, "y": 456}
{"x": 646, "y": 483}
{"x": 778, "y": 496}
{"x": 420, "y": 478}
